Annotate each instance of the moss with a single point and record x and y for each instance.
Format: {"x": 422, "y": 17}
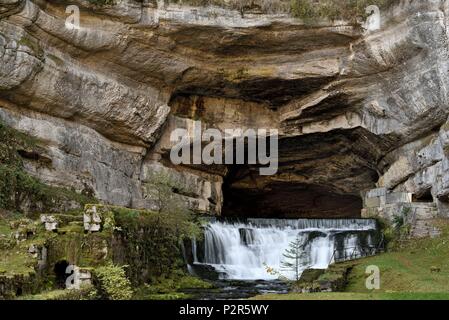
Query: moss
{"x": 146, "y": 241}
{"x": 151, "y": 240}
{"x": 102, "y": 2}
{"x": 262, "y": 71}
{"x": 266, "y": 6}
{"x": 5, "y": 229}
{"x": 31, "y": 43}
{"x": 190, "y": 282}
{"x": 83, "y": 250}
{"x": 13, "y": 141}
{"x": 308, "y": 10}
{"x": 71, "y": 228}
{"x": 87, "y": 292}
{"x": 234, "y": 75}
{"x": 172, "y": 288}
{"x": 16, "y": 262}
{"x": 328, "y": 9}
{"x": 356, "y": 296}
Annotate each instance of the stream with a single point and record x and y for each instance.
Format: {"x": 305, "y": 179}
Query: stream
{"x": 235, "y": 254}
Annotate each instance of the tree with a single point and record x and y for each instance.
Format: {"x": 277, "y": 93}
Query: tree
{"x": 154, "y": 237}
{"x": 295, "y": 260}
{"x": 294, "y": 257}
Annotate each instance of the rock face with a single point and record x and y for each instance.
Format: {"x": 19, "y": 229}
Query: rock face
{"x": 355, "y": 109}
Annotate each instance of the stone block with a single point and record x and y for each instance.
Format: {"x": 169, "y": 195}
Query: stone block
{"x": 92, "y": 219}
{"x": 372, "y": 202}
{"x": 376, "y": 193}
{"x": 50, "y": 222}
{"x": 398, "y": 197}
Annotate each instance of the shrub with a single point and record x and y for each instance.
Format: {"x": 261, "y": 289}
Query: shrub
{"x": 112, "y": 283}
{"x": 153, "y": 239}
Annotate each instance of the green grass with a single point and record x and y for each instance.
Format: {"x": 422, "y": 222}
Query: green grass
{"x": 408, "y": 269}
{"x": 171, "y": 288}
{"x": 405, "y": 273}
{"x": 5, "y": 229}
{"x": 46, "y": 295}
{"x": 357, "y": 296}
{"x": 16, "y": 262}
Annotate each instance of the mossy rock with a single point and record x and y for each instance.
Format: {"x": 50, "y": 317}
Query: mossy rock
{"x": 310, "y": 275}
{"x": 306, "y": 283}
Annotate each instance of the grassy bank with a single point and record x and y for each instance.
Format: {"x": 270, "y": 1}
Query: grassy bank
{"x": 357, "y": 296}
{"x": 416, "y": 269}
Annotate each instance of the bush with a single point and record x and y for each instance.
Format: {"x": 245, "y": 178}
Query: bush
{"x": 153, "y": 239}
{"x": 112, "y": 283}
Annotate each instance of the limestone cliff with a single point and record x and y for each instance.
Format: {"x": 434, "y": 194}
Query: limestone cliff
{"x": 355, "y": 108}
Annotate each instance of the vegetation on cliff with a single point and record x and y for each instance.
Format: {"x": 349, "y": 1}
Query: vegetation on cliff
{"x": 136, "y": 254}
{"x": 133, "y": 249}
{"x": 19, "y": 191}
{"x": 304, "y": 9}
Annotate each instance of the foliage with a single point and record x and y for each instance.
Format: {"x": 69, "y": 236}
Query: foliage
{"x": 333, "y": 10}
{"x": 102, "y": 2}
{"x": 112, "y": 283}
{"x": 12, "y": 141}
{"x": 86, "y": 292}
{"x": 293, "y": 255}
{"x": 405, "y": 274}
{"x": 410, "y": 268}
{"x": 234, "y": 76}
{"x": 170, "y": 288}
{"x": 154, "y": 238}
{"x": 294, "y": 260}
{"x": 357, "y": 296}
{"x": 307, "y": 10}
{"x": 401, "y": 225}
{"x": 267, "y": 6}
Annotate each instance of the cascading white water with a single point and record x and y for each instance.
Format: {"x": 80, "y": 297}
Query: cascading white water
{"x": 242, "y": 250}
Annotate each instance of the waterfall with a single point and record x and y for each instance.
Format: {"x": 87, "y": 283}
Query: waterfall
{"x": 242, "y": 250}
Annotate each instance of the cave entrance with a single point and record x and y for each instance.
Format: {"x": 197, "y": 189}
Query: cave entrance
{"x": 319, "y": 175}
{"x": 246, "y": 197}
{"x": 425, "y": 196}
{"x": 60, "y": 273}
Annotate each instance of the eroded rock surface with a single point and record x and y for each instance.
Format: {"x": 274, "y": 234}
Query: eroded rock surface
{"x": 355, "y": 109}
